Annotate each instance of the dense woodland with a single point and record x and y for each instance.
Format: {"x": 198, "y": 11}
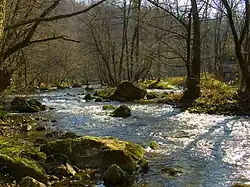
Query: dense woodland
{"x": 60, "y": 42}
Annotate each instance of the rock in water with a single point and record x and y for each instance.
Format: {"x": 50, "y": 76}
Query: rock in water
{"x": 127, "y": 91}
{"x": 76, "y": 85}
{"x": 97, "y": 153}
{"x": 115, "y": 176}
{"x": 88, "y": 97}
{"x": 30, "y": 182}
{"x": 121, "y": 111}
{"x": 20, "y": 104}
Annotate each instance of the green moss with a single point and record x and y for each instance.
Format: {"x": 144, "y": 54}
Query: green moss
{"x": 241, "y": 185}
{"x": 21, "y": 158}
{"x": 2, "y": 113}
{"x": 97, "y": 152}
{"x": 105, "y": 94}
{"x": 154, "y": 145}
{"x": 109, "y": 107}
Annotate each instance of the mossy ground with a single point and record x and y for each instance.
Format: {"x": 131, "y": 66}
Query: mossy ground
{"x": 166, "y": 83}
{"x": 216, "y": 98}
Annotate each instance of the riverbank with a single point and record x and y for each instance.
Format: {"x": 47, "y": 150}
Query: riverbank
{"x": 190, "y": 143}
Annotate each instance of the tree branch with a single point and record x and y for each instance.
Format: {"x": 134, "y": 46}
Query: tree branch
{"x": 63, "y": 16}
{"x": 65, "y": 38}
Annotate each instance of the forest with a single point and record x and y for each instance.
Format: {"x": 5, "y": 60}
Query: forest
{"x": 124, "y": 93}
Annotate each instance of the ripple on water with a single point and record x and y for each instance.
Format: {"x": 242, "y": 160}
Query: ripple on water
{"x": 212, "y": 150}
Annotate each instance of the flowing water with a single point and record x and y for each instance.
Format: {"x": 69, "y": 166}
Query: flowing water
{"x": 211, "y": 150}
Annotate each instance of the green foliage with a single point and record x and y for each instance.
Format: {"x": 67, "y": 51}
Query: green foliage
{"x": 216, "y": 98}
{"x": 176, "y": 81}
{"x": 3, "y": 113}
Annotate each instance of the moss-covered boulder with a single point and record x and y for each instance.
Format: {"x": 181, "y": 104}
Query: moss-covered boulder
{"x": 115, "y": 176}
{"x": 30, "y": 182}
{"x": 20, "y": 104}
{"x": 127, "y": 91}
{"x": 99, "y": 153}
{"x": 122, "y": 111}
{"x": 21, "y": 167}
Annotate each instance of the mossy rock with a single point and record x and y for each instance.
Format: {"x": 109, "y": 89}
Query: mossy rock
{"x": 154, "y": 145}
{"x": 109, "y": 107}
{"x": 30, "y": 182}
{"x": 122, "y": 111}
{"x": 20, "y": 159}
{"x": 97, "y": 153}
{"x": 21, "y": 167}
{"x": 152, "y": 95}
{"x": 88, "y": 97}
{"x": 115, "y": 176}
{"x": 20, "y": 104}
{"x": 127, "y": 91}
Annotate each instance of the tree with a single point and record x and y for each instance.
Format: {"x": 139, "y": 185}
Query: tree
{"x": 241, "y": 49}
{"x": 25, "y": 29}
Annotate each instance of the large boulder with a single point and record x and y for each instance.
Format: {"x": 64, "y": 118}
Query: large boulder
{"x": 97, "y": 153}
{"x": 127, "y": 91}
{"x": 30, "y": 182}
{"x": 121, "y": 111}
{"x": 115, "y": 176}
{"x": 20, "y": 104}
{"x": 22, "y": 167}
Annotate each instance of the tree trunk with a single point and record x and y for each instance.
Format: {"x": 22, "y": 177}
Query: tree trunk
{"x": 193, "y": 81}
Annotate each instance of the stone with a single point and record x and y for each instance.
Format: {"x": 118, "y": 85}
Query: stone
{"x": 22, "y": 167}
{"x": 30, "y": 182}
{"x": 127, "y": 91}
{"x": 53, "y": 178}
{"x": 115, "y": 176}
{"x": 97, "y": 153}
{"x": 54, "y": 134}
{"x": 34, "y": 103}
{"x": 40, "y": 141}
{"x": 152, "y": 95}
{"x": 76, "y": 85}
{"x": 98, "y": 100}
{"x": 64, "y": 171}
{"x": 171, "y": 171}
{"x": 88, "y": 97}
{"x": 26, "y": 127}
{"x": 121, "y": 111}
{"x": 41, "y": 128}
{"x": 20, "y": 104}
{"x": 68, "y": 135}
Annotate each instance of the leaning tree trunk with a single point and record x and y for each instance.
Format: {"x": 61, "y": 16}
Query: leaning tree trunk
{"x": 4, "y": 76}
{"x": 193, "y": 81}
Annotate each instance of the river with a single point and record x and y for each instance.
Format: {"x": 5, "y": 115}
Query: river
{"x": 211, "y": 150}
